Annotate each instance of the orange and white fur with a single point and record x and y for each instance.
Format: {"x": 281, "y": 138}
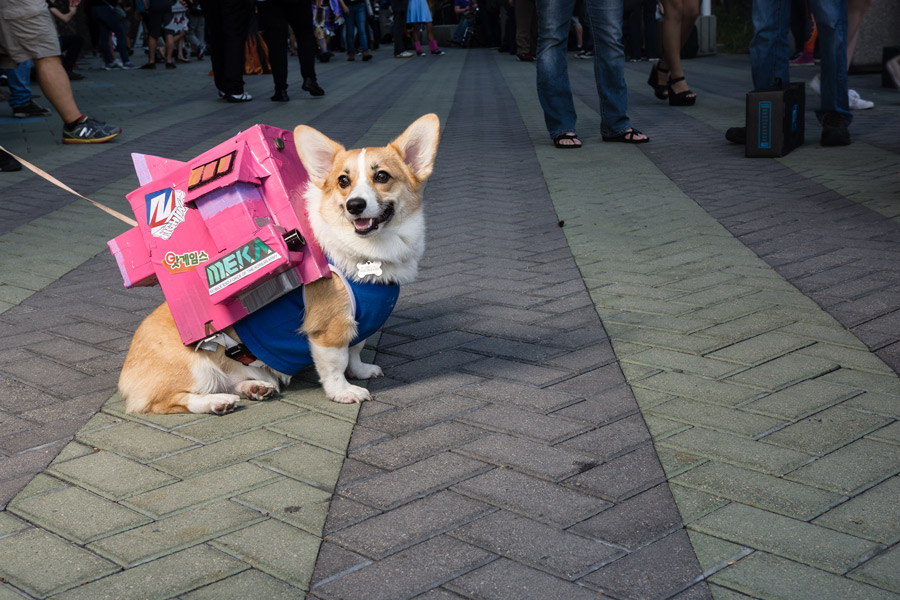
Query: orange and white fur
{"x": 363, "y": 205}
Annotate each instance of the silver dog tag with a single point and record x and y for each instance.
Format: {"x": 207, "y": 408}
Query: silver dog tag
{"x": 369, "y": 268}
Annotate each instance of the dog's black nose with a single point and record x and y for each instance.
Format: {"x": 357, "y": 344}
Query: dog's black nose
{"x": 355, "y": 206}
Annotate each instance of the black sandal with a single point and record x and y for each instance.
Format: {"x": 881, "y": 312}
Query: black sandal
{"x": 627, "y": 137}
{"x": 660, "y": 90}
{"x": 557, "y": 141}
{"x": 683, "y": 98}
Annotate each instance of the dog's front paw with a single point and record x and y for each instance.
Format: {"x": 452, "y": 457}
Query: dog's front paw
{"x": 257, "y": 390}
{"x": 351, "y": 394}
{"x": 365, "y": 371}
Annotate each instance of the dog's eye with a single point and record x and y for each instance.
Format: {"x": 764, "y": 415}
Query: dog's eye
{"x": 382, "y": 177}
{"x": 344, "y": 181}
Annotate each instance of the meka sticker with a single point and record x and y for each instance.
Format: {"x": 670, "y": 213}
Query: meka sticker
{"x": 165, "y": 211}
{"x": 240, "y": 263}
{"x": 183, "y": 263}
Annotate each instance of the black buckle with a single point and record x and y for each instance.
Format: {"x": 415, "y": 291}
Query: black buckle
{"x": 241, "y": 354}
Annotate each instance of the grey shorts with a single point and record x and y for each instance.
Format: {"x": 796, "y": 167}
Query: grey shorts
{"x": 26, "y": 31}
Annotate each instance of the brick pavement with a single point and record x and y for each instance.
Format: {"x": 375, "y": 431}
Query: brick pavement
{"x": 685, "y": 390}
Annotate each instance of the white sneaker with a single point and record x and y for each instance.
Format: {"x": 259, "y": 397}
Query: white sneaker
{"x": 816, "y": 84}
{"x": 857, "y": 103}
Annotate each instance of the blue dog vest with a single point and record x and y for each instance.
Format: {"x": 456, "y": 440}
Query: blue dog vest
{"x": 273, "y": 334}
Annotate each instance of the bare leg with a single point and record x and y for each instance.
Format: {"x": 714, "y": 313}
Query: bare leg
{"x": 856, "y": 10}
{"x": 678, "y": 20}
{"x": 55, "y": 84}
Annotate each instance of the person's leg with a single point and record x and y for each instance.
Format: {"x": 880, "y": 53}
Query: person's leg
{"x": 101, "y": 17}
{"x": 70, "y": 45}
{"x": 399, "y": 8}
{"x": 298, "y": 13}
{"x": 118, "y": 28}
{"x": 677, "y": 17}
{"x": 169, "y": 39}
{"x": 651, "y": 41}
{"x": 831, "y": 21}
{"x": 359, "y": 15}
{"x": 235, "y": 23}
{"x": 605, "y": 17}
{"x": 554, "y": 90}
{"x": 769, "y": 48}
{"x": 350, "y": 33}
{"x": 273, "y": 24}
{"x": 18, "y": 80}
{"x": 524, "y": 23}
{"x": 55, "y": 84}
{"x": 856, "y": 10}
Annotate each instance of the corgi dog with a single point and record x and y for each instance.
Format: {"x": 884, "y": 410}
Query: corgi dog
{"x": 365, "y": 210}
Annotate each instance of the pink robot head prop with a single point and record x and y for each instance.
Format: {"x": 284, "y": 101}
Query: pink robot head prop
{"x": 223, "y": 234}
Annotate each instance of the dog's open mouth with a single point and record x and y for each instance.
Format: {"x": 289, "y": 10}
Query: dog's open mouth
{"x": 366, "y": 226}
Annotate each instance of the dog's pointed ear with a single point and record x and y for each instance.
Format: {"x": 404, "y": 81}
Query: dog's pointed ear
{"x": 317, "y": 152}
{"x": 418, "y": 145}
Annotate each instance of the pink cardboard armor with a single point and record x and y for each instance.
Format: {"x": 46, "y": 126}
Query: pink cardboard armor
{"x": 223, "y": 234}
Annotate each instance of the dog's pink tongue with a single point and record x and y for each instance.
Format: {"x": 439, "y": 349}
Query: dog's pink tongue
{"x": 363, "y": 223}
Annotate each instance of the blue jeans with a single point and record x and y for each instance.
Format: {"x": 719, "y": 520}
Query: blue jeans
{"x": 460, "y": 30}
{"x": 19, "y": 81}
{"x": 554, "y": 91}
{"x": 356, "y": 19}
{"x": 769, "y": 50}
{"x": 106, "y": 19}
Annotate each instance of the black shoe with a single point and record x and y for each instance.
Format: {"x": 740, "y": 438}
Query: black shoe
{"x": 736, "y": 135}
{"x": 148, "y": 66}
{"x": 834, "y": 131}
{"x": 8, "y": 163}
{"x": 242, "y": 97}
{"x": 280, "y": 96}
{"x": 170, "y": 65}
{"x": 312, "y": 86}
{"x": 31, "y": 109}
{"x": 73, "y": 76}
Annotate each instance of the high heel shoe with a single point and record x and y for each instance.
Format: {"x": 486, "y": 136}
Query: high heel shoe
{"x": 660, "y": 90}
{"x": 686, "y": 98}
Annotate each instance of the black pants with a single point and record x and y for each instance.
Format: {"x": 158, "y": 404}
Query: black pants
{"x": 226, "y": 23}
{"x": 398, "y": 7}
{"x": 70, "y": 45}
{"x": 274, "y": 18}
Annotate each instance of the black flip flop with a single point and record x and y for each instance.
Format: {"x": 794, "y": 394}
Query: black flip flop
{"x": 627, "y": 137}
{"x": 566, "y": 136}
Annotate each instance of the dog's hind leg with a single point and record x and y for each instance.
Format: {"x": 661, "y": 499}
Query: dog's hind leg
{"x": 217, "y": 404}
{"x": 253, "y": 389}
{"x": 357, "y": 368}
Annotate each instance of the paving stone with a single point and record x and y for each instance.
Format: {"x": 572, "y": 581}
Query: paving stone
{"x": 826, "y": 430}
{"x": 416, "y": 480}
{"x": 344, "y": 512}
{"x": 248, "y": 417}
{"x": 889, "y": 433}
{"x": 676, "y": 462}
{"x": 135, "y": 441}
{"x": 423, "y": 414}
{"x": 611, "y": 440}
{"x": 293, "y": 502}
{"x": 202, "y": 489}
{"x": 801, "y": 400}
{"x": 851, "y": 468}
{"x": 622, "y": 477}
{"x": 309, "y": 395}
{"x": 167, "y": 577}
{"x": 881, "y": 404}
{"x": 611, "y": 405}
{"x": 539, "y": 460}
{"x": 675, "y": 568}
{"x": 42, "y": 564}
{"x": 761, "y": 348}
{"x": 762, "y": 575}
{"x": 318, "y": 429}
{"x": 353, "y": 472}
{"x": 859, "y": 359}
{"x": 537, "y": 545}
{"x": 111, "y": 475}
{"x": 757, "y": 489}
{"x": 333, "y": 562}
{"x": 530, "y": 497}
{"x": 669, "y": 360}
{"x": 713, "y": 553}
{"x": 515, "y": 371}
{"x": 175, "y": 533}
{"x": 246, "y": 584}
{"x": 597, "y": 381}
{"x": 698, "y": 388}
{"x": 523, "y": 423}
{"x": 712, "y": 416}
{"x": 411, "y": 572}
{"x": 881, "y": 571}
{"x": 634, "y": 522}
{"x": 873, "y": 383}
{"x": 10, "y": 524}
{"x": 737, "y": 450}
{"x": 222, "y": 454}
{"x": 522, "y": 396}
{"x": 507, "y": 579}
{"x": 305, "y": 462}
{"x": 276, "y": 548}
{"x": 789, "y": 538}
{"x": 418, "y": 445}
{"x": 390, "y": 532}
{"x": 400, "y": 393}
{"x": 76, "y": 514}
{"x": 873, "y": 515}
